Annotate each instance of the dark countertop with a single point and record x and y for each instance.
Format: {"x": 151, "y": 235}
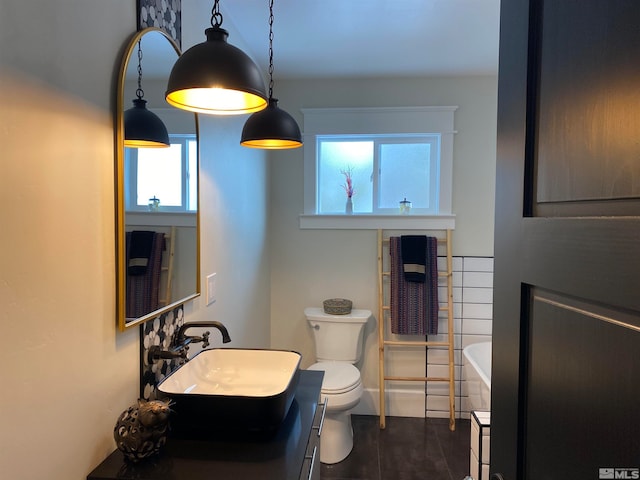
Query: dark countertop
{"x": 279, "y": 456}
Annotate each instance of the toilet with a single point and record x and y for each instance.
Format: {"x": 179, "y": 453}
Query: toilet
{"x": 338, "y": 340}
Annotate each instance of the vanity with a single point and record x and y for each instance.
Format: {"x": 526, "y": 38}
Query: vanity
{"x": 292, "y": 452}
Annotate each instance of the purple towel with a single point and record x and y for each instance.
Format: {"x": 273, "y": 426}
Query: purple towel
{"x": 142, "y": 292}
{"x": 414, "y": 305}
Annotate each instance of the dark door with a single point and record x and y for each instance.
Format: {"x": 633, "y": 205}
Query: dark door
{"x": 566, "y": 359}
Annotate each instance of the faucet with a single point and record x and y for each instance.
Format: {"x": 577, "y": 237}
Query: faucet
{"x": 156, "y": 352}
{"x": 180, "y": 342}
{"x": 180, "y": 338}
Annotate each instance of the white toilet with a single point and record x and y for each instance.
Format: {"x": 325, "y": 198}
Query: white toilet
{"x": 338, "y": 340}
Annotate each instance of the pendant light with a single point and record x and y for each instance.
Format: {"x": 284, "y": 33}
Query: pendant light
{"x": 271, "y": 128}
{"x": 215, "y": 77}
{"x": 143, "y": 128}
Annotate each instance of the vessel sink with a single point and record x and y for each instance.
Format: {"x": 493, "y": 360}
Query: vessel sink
{"x": 224, "y": 389}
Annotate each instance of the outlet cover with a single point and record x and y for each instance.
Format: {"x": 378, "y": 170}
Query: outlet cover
{"x": 211, "y": 288}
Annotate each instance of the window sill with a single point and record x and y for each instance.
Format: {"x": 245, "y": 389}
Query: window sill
{"x": 375, "y": 222}
{"x": 161, "y": 219}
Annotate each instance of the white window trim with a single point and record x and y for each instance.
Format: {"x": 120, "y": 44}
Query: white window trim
{"x": 378, "y": 120}
{"x": 131, "y": 159}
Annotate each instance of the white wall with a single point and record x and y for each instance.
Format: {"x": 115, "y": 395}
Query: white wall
{"x": 67, "y": 373}
{"x": 234, "y": 207}
{"x": 308, "y": 266}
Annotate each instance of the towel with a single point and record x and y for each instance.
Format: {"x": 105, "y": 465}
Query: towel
{"x": 139, "y": 252}
{"x": 414, "y": 305}
{"x": 414, "y": 257}
{"x": 143, "y": 290}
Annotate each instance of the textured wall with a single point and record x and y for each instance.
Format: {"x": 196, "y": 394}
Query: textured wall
{"x": 68, "y": 373}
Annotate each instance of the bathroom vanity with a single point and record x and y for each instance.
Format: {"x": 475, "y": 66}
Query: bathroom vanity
{"x": 291, "y": 452}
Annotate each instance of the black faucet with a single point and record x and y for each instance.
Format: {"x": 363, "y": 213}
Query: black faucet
{"x": 181, "y": 341}
{"x": 156, "y": 352}
{"x": 180, "y": 338}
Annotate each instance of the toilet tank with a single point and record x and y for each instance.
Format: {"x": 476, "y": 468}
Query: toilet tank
{"x": 337, "y": 337}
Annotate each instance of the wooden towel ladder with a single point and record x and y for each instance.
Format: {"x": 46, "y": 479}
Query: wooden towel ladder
{"x": 167, "y": 267}
{"x": 384, "y": 310}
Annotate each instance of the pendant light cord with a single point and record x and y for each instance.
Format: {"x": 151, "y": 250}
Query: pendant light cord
{"x": 139, "y": 91}
{"x": 216, "y": 16}
{"x": 270, "y": 49}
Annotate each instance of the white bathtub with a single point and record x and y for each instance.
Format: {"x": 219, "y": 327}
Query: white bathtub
{"x": 477, "y": 369}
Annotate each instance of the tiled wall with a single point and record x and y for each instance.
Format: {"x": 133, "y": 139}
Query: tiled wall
{"x": 472, "y": 317}
{"x": 157, "y": 332}
{"x": 473, "y": 313}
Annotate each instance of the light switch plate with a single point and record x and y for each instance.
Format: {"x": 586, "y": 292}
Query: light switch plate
{"x": 211, "y": 288}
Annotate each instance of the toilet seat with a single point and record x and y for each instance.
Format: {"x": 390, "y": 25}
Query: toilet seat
{"x": 339, "y": 377}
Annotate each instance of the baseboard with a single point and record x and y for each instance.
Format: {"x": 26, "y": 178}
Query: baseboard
{"x": 399, "y": 403}
{"x": 404, "y": 402}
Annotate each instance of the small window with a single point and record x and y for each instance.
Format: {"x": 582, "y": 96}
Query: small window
{"x": 166, "y": 174}
{"x": 389, "y": 154}
{"x": 384, "y": 170}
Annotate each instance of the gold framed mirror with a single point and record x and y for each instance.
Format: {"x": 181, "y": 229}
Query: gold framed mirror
{"x": 157, "y": 191}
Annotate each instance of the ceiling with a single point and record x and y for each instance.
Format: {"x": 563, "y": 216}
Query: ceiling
{"x": 358, "y": 38}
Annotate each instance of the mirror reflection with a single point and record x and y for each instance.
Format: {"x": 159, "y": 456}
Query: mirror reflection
{"x": 157, "y": 191}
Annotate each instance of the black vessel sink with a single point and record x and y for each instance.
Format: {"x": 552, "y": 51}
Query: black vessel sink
{"x": 226, "y": 390}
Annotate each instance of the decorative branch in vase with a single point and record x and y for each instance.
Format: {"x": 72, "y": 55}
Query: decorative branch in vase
{"x": 348, "y": 188}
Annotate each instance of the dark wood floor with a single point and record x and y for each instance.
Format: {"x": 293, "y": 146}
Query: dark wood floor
{"x": 407, "y": 449}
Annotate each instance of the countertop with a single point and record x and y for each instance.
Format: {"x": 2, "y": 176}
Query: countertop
{"x": 278, "y": 457}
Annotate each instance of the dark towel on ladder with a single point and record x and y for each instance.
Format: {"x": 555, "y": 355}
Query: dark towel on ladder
{"x": 414, "y": 305}
{"x": 414, "y": 257}
{"x": 139, "y": 252}
{"x": 142, "y": 291}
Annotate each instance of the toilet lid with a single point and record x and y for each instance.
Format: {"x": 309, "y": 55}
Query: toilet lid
{"x": 338, "y": 377}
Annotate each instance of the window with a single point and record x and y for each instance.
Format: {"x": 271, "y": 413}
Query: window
{"x": 390, "y": 153}
{"x": 384, "y": 169}
{"x": 164, "y": 174}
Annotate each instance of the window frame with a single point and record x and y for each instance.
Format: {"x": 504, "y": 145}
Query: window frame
{"x": 131, "y": 163}
{"x": 370, "y": 122}
{"x": 379, "y": 140}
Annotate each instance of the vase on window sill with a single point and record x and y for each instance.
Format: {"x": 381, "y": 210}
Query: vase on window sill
{"x": 348, "y": 209}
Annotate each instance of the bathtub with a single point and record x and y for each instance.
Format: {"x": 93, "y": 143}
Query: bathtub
{"x": 477, "y": 369}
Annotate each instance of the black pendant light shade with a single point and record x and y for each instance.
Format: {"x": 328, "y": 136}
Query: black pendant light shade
{"x": 271, "y": 128}
{"x": 143, "y": 128}
{"x": 217, "y": 78}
